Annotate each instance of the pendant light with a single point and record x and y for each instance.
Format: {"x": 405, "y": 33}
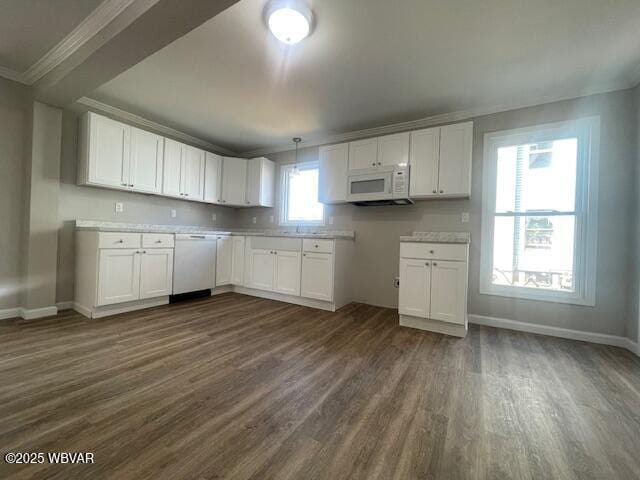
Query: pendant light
{"x": 295, "y": 172}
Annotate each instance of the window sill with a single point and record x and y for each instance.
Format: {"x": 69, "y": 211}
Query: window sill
{"x": 538, "y": 296}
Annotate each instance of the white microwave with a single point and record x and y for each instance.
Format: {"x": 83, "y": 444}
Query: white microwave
{"x": 383, "y": 186}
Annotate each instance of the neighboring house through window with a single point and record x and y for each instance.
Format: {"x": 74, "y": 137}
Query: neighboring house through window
{"x": 539, "y": 212}
{"x": 299, "y": 195}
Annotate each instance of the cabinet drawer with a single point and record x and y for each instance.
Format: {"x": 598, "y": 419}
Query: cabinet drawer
{"x": 119, "y": 240}
{"x": 157, "y": 240}
{"x": 440, "y": 251}
{"x": 275, "y": 243}
{"x": 321, "y": 246}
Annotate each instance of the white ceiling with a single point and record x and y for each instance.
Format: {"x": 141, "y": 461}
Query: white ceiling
{"x": 30, "y": 28}
{"x": 375, "y": 62}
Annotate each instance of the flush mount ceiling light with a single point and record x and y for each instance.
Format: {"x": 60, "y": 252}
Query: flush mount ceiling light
{"x": 289, "y": 20}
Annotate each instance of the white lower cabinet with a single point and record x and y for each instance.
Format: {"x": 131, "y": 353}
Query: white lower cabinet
{"x": 237, "y": 261}
{"x": 262, "y": 266}
{"x": 224, "y": 260}
{"x": 433, "y": 287}
{"x": 119, "y": 276}
{"x": 116, "y": 268}
{"x": 415, "y": 287}
{"x": 317, "y": 276}
{"x": 156, "y": 272}
{"x": 287, "y": 272}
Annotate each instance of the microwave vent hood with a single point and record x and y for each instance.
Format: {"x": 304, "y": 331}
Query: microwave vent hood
{"x": 389, "y": 201}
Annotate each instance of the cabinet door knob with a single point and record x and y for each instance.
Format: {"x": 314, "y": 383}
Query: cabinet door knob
{"x": 120, "y": 241}
{"x": 304, "y": 254}
{"x": 435, "y": 191}
{"x": 144, "y": 251}
{"x": 441, "y": 191}
{"x": 379, "y": 163}
{"x": 374, "y": 164}
{"x": 123, "y": 184}
{"x": 131, "y": 184}
{"x": 431, "y": 251}
{"x": 158, "y": 241}
{"x": 427, "y": 264}
{"x": 435, "y": 264}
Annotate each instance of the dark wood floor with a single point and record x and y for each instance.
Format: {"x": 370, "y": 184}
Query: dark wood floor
{"x": 240, "y": 387}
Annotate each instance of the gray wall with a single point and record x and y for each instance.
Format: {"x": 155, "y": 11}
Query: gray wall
{"x": 14, "y": 128}
{"x": 89, "y": 203}
{"x": 378, "y": 228}
{"x": 633, "y": 327}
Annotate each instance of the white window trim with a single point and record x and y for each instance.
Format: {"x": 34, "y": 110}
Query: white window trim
{"x": 588, "y": 131}
{"x": 284, "y": 192}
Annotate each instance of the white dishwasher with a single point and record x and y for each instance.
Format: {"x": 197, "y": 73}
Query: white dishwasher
{"x": 194, "y": 263}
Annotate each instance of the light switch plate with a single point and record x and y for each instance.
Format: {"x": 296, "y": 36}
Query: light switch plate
{"x": 119, "y": 207}
{"x": 271, "y": 218}
{"x": 174, "y": 214}
{"x": 254, "y": 220}
{"x": 465, "y": 217}
{"x": 214, "y": 217}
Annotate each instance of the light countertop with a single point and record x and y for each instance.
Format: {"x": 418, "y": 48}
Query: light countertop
{"x": 438, "y": 237}
{"x": 99, "y": 226}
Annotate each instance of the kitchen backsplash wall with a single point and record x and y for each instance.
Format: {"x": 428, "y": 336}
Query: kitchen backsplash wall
{"x": 90, "y": 203}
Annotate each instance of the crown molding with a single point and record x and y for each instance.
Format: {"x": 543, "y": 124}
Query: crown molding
{"x": 436, "y": 120}
{"x": 139, "y": 121}
{"x": 85, "y": 31}
{"x": 99, "y": 18}
{"x": 12, "y": 75}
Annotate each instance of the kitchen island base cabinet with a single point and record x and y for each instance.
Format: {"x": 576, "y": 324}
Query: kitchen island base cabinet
{"x": 433, "y": 287}
{"x": 118, "y": 272}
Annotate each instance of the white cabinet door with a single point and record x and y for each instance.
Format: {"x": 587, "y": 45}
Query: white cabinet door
{"x": 212, "y": 177}
{"x": 334, "y": 165}
{"x": 455, "y": 159}
{"x": 448, "y": 291}
{"x": 317, "y": 276}
{"x": 224, "y": 260}
{"x": 393, "y": 149}
{"x": 234, "y": 181}
{"x": 156, "y": 272}
{"x": 109, "y": 151}
{"x": 261, "y": 269}
{"x": 172, "y": 177}
{"x": 145, "y": 166}
{"x": 425, "y": 154}
{"x": 363, "y": 154}
{"x": 254, "y": 168}
{"x": 415, "y": 287}
{"x": 237, "y": 264}
{"x": 288, "y": 269}
{"x": 192, "y": 173}
{"x": 118, "y": 276}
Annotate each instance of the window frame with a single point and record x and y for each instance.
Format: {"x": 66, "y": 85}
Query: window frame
{"x": 587, "y": 131}
{"x": 284, "y": 195}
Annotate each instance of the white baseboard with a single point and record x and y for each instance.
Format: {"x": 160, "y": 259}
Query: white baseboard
{"x": 221, "y": 290}
{"x": 33, "y": 313}
{"x": 600, "y": 338}
{"x": 9, "y": 313}
{"x": 64, "y": 306}
{"x": 436, "y": 326}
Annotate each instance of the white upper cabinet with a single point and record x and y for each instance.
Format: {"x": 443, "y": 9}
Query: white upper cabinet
{"x": 334, "y": 166}
{"x": 105, "y": 147}
{"x": 455, "y": 159}
{"x": 440, "y": 161}
{"x": 393, "y": 149}
{"x": 145, "y": 164}
{"x": 425, "y": 155}
{"x": 234, "y": 181}
{"x": 212, "y": 178}
{"x": 192, "y": 173}
{"x": 261, "y": 178}
{"x": 363, "y": 154}
{"x": 172, "y": 183}
{"x": 183, "y": 171}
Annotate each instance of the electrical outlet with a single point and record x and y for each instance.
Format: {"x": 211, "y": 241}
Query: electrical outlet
{"x": 214, "y": 217}
{"x": 396, "y": 282}
{"x": 465, "y": 217}
{"x": 174, "y": 214}
{"x": 254, "y": 220}
{"x": 271, "y": 219}
{"x": 119, "y": 207}
{"x": 330, "y": 220}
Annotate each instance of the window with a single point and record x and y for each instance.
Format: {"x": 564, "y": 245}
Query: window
{"x": 299, "y": 188}
{"x": 539, "y": 212}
